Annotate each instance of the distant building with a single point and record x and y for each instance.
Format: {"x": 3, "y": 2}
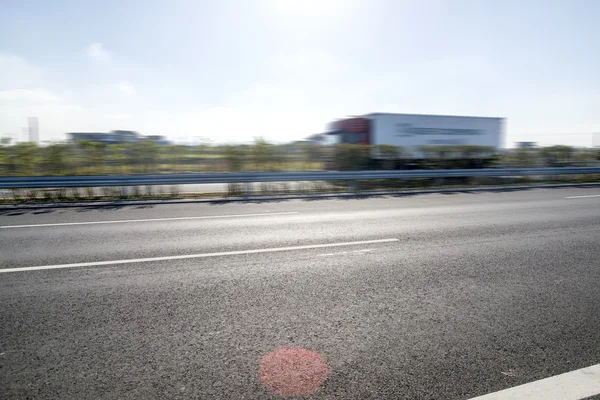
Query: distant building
{"x": 158, "y": 139}
{"x": 33, "y": 129}
{"x": 97, "y": 137}
{"x": 115, "y": 137}
{"x": 526, "y": 145}
{"x": 127, "y": 136}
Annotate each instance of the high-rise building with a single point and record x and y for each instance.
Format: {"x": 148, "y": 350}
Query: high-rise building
{"x": 34, "y": 129}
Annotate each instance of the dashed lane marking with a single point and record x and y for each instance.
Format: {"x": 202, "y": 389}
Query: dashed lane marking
{"x": 575, "y": 385}
{"x": 124, "y": 221}
{"x": 583, "y": 197}
{"x": 201, "y": 255}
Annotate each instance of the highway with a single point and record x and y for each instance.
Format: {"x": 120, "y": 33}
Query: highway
{"x": 438, "y": 296}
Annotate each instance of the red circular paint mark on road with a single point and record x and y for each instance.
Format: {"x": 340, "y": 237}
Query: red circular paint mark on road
{"x": 292, "y": 371}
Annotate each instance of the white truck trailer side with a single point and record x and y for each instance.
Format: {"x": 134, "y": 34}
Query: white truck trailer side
{"x": 411, "y": 131}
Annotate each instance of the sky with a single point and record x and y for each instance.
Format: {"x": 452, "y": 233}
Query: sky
{"x": 231, "y": 70}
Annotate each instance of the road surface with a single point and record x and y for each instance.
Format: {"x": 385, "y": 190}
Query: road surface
{"x": 447, "y": 296}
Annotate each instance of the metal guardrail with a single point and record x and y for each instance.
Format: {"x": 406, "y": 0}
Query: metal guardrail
{"x": 181, "y": 179}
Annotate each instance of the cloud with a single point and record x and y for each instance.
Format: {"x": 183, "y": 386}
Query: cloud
{"x": 97, "y": 52}
{"x": 15, "y": 72}
{"x": 117, "y": 116}
{"x": 311, "y": 66}
{"x": 125, "y": 88}
{"x": 309, "y": 18}
{"x": 307, "y": 8}
{"x": 27, "y": 97}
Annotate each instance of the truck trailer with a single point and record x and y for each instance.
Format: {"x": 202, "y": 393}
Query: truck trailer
{"x": 419, "y": 134}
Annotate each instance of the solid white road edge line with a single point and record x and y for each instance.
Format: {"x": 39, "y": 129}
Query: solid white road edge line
{"x": 583, "y": 197}
{"x": 202, "y": 255}
{"x": 574, "y": 385}
{"x": 123, "y": 221}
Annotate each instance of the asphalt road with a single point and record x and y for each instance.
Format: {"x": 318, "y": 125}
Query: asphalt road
{"x": 444, "y": 297}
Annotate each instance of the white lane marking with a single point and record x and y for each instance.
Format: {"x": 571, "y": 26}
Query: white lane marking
{"x": 583, "y": 197}
{"x": 345, "y": 252}
{"x": 123, "y": 221}
{"x": 202, "y": 255}
{"x": 574, "y": 385}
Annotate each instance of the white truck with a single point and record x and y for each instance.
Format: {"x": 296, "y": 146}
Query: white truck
{"x": 415, "y": 132}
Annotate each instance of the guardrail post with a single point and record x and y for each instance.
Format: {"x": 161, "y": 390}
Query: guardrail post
{"x": 248, "y": 186}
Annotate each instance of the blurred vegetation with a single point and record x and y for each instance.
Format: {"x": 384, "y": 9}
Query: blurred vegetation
{"x": 89, "y": 158}
{"x": 348, "y": 157}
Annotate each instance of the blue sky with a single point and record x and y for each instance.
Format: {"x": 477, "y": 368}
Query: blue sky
{"x": 230, "y": 70}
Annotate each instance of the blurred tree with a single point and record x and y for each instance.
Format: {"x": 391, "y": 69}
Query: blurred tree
{"x": 551, "y": 155}
{"x": 148, "y": 155}
{"x": 277, "y": 156}
{"x": 179, "y": 153}
{"x": 197, "y": 152}
{"x": 523, "y": 157}
{"x": 289, "y": 157}
{"x": 26, "y": 157}
{"x": 563, "y": 153}
{"x": 312, "y": 153}
{"x": 262, "y": 153}
{"x": 4, "y": 148}
{"x": 473, "y": 156}
{"x": 130, "y": 157}
{"x": 547, "y": 156}
{"x": 583, "y": 155}
{"x": 95, "y": 156}
{"x": 169, "y": 154}
{"x": 427, "y": 151}
{"x": 434, "y": 156}
{"x": 234, "y": 155}
{"x": 389, "y": 155}
{"x": 348, "y": 157}
{"x": 54, "y": 158}
{"x": 118, "y": 158}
